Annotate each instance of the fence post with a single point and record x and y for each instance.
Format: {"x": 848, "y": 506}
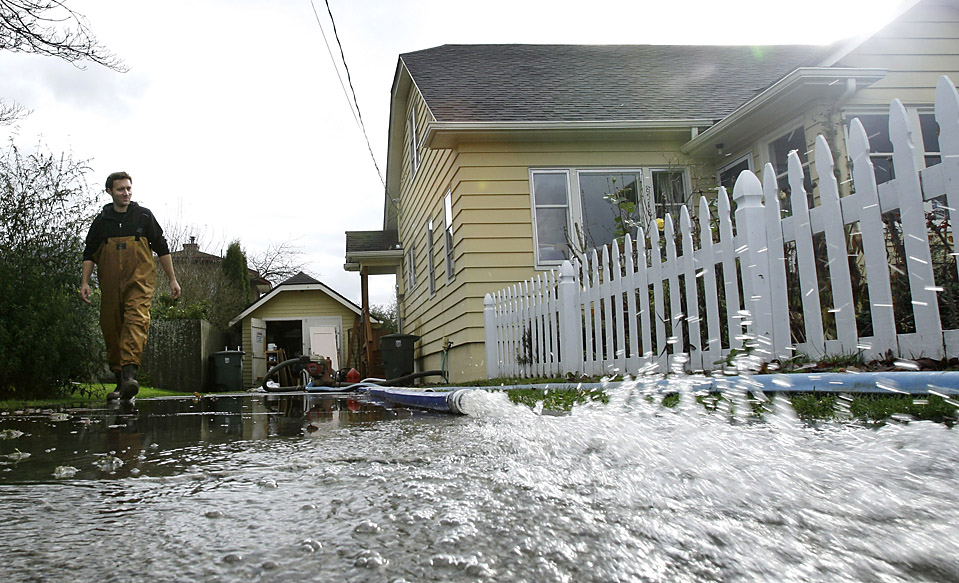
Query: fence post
{"x": 751, "y": 231}
{"x": 489, "y": 317}
{"x": 570, "y": 321}
{"x": 925, "y": 304}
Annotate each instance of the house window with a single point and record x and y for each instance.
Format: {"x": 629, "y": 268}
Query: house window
{"x": 669, "y": 192}
{"x": 728, "y": 174}
{"x": 880, "y": 144}
{"x": 411, "y": 267}
{"x": 414, "y": 145}
{"x": 550, "y": 194}
{"x": 610, "y": 205}
{"x": 448, "y": 215}
{"x": 779, "y": 150}
{"x": 429, "y": 256}
{"x": 610, "y": 201}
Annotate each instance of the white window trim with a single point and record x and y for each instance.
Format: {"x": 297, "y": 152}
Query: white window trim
{"x": 413, "y": 144}
{"x": 431, "y": 268}
{"x": 448, "y": 234}
{"x": 912, "y": 111}
{"x": 687, "y": 184}
{"x": 548, "y": 264}
{"x": 747, "y": 157}
{"x": 781, "y": 131}
{"x": 411, "y": 267}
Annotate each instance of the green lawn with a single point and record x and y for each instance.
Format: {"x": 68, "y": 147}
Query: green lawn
{"x": 87, "y": 394}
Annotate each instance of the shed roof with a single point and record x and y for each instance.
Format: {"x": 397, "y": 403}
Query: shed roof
{"x": 497, "y": 83}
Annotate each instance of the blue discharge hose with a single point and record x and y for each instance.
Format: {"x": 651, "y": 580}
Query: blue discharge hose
{"x": 440, "y": 401}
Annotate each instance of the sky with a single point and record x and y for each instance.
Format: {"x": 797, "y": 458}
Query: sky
{"x": 233, "y": 122}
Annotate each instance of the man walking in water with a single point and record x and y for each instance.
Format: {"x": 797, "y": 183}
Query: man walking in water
{"x": 121, "y": 243}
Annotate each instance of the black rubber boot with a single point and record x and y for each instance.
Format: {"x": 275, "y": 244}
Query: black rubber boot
{"x": 115, "y": 393}
{"x": 129, "y": 387}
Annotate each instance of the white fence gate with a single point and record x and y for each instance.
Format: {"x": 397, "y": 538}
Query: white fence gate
{"x": 608, "y": 314}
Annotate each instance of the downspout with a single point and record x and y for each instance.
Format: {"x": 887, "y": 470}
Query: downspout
{"x": 844, "y": 169}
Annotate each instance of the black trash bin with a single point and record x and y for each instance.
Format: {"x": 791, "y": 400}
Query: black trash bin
{"x": 397, "y": 352}
{"x": 228, "y": 370}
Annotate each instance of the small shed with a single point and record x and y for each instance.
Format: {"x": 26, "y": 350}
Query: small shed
{"x": 300, "y": 316}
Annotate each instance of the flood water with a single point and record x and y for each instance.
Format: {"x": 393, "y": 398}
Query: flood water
{"x": 338, "y": 488}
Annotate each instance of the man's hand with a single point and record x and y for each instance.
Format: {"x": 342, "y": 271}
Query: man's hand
{"x": 174, "y": 289}
{"x": 85, "y": 292}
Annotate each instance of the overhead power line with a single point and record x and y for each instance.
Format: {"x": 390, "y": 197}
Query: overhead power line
{"x": 353, "y": 103}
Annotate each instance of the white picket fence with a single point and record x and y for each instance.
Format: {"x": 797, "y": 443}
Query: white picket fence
{"x": 608, "y": 314}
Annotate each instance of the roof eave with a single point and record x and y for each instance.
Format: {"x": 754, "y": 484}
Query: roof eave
{"x": 378, "y": 262}
{"x": 787, "y": 94}
{"x": 446, "y": 134}
{"x": 296, "y": 287}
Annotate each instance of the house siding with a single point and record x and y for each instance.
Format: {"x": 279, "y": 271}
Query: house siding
{"x": 917, "y": 49}
{"x": 493, "y": 234}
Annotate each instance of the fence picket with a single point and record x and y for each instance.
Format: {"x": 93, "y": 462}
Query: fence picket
{"x": 727, "y": 253}
{"x": 843, "y": 307}
{"x": 778, "y": 288}
{"x": 815, "y": 344}
{"x": 692, "y": 294}
{"x": 642, "y": 288}
{"x": 675, "y": 316}
{"x": 629, "y": 287}
{"x": 925, "y": 304}
{"x": 655, "y": 274}
{"x": 713, "y": 351}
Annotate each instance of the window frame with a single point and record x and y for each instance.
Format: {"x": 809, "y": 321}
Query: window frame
{"x": 448, "y": 235}
{"x": 413, "y": 143}
{"x": 747, "y": 157}
{"x": 924, "y": 158}
{"x": 431, "y": 268}
{"x": 548, "y": 263}
{"x": 574, "y": 207}
{"x": 411, "y": 267}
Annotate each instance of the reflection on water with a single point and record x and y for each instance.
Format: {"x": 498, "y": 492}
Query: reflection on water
{"x": 338, "y": 488}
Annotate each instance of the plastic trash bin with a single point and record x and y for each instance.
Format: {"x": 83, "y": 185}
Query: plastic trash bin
{"x": 397, "y": 352}
{"x": 228, "y": 370}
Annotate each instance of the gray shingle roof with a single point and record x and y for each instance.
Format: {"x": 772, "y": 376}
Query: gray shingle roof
{"x": 501, "y": 83}
{"x": 299, "y": 279}
{"x": 361, "y": 241}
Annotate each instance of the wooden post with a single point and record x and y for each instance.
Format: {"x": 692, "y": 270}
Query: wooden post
{"x": 367, "y": 326}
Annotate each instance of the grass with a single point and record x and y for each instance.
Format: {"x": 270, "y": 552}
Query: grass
{"x": 86, "y": 394}
{"x": 870, "y": 407}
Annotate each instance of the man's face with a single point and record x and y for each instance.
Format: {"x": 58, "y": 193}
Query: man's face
{"x": 122, "y": 192}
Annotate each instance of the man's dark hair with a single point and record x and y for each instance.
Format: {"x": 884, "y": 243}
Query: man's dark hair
{"x": 117, "y": 176}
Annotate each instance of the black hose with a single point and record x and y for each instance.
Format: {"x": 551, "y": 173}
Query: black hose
{"x": 410, "y": 377}
{"x": 278, "y": 367}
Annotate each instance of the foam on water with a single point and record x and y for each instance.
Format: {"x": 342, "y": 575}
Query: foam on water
{"x": 627, "y": 491}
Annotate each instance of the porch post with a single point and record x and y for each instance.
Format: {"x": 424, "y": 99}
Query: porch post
{"x": 367, "y": 326}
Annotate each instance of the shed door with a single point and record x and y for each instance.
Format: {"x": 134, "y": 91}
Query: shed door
{"x": 323, "y": 342}
{"x": 258, "y": 341}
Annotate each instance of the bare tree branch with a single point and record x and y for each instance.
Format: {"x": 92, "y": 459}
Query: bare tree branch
{"x": 279, "y": 261}
{"x": 11, "y": 111}
{"x": 49, "y": 27}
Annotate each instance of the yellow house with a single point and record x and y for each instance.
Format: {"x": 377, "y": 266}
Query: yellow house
{"x": 300, "y": 316}
{"x": 502, "y": 158}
